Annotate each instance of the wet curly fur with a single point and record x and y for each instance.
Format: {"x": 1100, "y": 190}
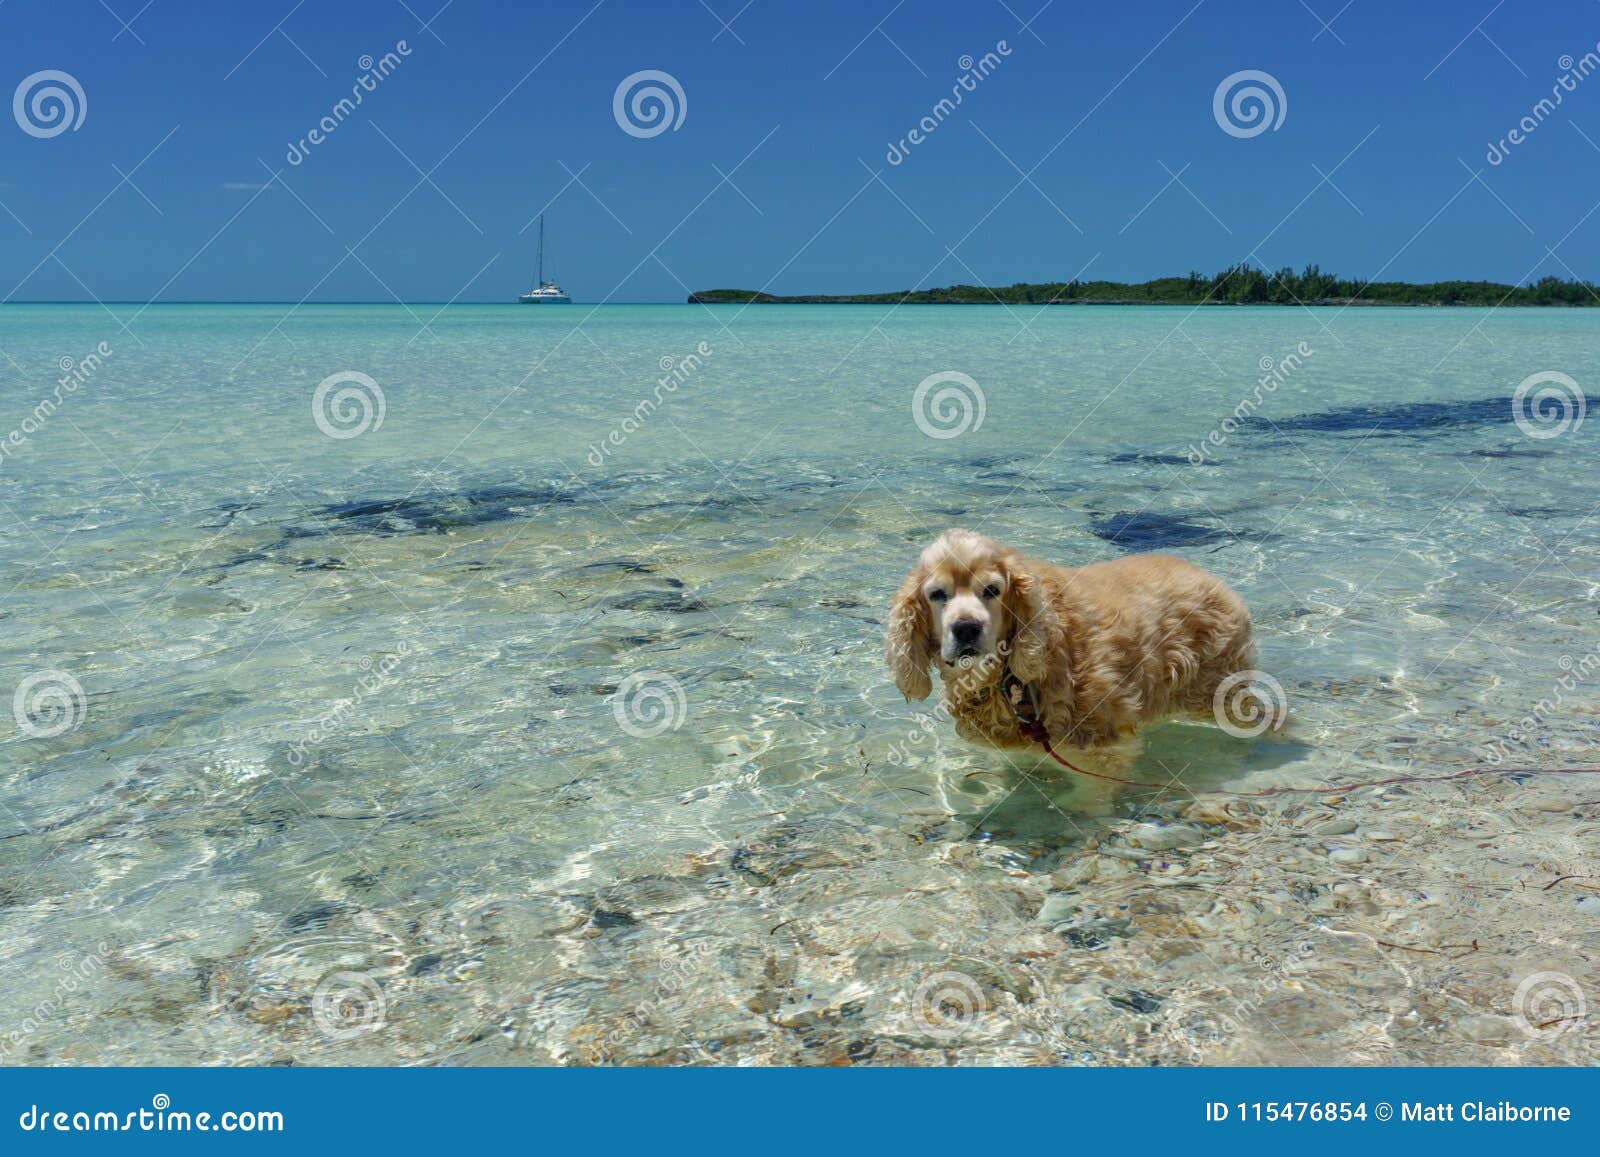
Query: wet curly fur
{"x": 1107, "y": 648}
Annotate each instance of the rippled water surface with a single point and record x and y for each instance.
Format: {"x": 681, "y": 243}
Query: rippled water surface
{"x": 534, "y": 726}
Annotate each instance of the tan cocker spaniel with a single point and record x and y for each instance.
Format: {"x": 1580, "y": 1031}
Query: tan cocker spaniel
{"x": 1096, "y": 651}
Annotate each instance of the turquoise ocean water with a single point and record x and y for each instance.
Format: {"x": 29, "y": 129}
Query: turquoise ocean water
{"x": 519, "y": 699}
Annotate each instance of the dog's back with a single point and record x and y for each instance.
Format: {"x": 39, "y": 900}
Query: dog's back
{"x": 1151, "y": 635}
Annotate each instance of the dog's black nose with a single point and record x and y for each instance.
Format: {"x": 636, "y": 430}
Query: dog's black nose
{"x": 965, "y": 631}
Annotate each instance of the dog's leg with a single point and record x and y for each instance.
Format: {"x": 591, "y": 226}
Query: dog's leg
{"x": 1094, "y": 796}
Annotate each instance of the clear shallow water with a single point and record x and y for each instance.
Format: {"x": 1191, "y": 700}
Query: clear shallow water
{"x": 349, "y": 781}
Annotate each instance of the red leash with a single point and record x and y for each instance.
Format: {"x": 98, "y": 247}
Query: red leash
{"x": 1031, "y": 727}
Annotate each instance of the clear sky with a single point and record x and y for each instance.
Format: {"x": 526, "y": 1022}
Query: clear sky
{"x": 1090, "y": 148}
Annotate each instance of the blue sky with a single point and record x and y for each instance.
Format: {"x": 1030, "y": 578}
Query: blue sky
{"x": 768, "y": 182}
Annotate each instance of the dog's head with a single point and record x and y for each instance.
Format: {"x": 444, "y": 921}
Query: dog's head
{"x": 970, "y": 603}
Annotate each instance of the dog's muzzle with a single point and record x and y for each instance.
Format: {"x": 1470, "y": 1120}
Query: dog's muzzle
{"x": 966, "y": 634}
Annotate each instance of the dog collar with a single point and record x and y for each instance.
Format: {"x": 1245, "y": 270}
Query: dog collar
{"x": 1023, "y": 699}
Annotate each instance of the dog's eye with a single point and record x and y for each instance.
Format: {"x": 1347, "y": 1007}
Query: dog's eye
{"x": 937, "y": 596}
{"x": 991, "y": 591}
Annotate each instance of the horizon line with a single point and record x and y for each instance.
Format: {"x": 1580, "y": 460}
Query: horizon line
{"x": 1318, "y": 304}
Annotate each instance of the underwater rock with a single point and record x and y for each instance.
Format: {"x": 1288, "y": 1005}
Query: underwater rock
{"x": 1057, "y": 907}
{"x": 563, "y": 690}
{"x": 1509, "y": 452}
{"x": 424, "y": 964}
{"x": 1135, "y": 1001}
{"x": 617, "y": 566}
{"x": 430, "y": 513}
{"x": 672, "y": 602}
{"x": 1160, "y": 460}
{"x": 1160, "y": 838}
{"x": 842, "y": 1004}
{"x": 1142, "y": 530}
{"x": 316, "y": 915}
{"x": 1093, "y": 935}
{"x": 1487, "y": 1029}
{"x": 1339, "y": 826}
{"x": 1396, "y": 419}
{"x": 651, "y": 896}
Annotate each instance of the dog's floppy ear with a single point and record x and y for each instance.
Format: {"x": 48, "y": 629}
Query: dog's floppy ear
{"x": 1036, "y": 630}
{"x": 907, "y": 646}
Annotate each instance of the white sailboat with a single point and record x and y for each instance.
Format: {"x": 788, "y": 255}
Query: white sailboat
{"x": 544, "y": 292}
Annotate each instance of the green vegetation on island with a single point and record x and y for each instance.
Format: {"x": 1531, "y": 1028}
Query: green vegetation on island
{"x": 1237, "y": 285}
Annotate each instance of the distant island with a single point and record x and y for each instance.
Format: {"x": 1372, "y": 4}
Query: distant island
{"x": 1236, "y": 285}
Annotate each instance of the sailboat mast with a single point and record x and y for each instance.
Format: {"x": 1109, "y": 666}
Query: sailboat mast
{"x": 543, "y": 291}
